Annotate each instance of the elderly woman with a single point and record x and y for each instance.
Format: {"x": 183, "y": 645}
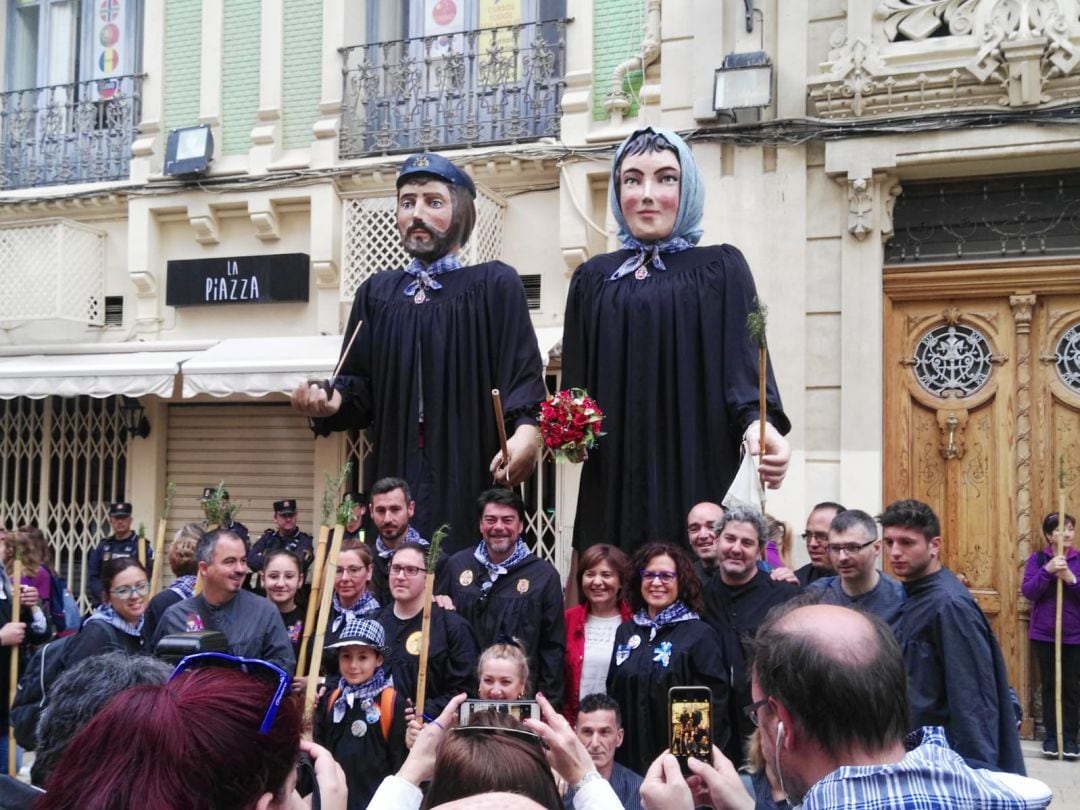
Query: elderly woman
{"x": 665, "y": 644}
{"x": 672, "y": 315}
{"x": 591, "y": 625}
{"x": 1044, "y": 569}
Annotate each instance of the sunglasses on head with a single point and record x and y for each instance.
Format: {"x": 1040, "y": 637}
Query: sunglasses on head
{"x": 256, "y": 667}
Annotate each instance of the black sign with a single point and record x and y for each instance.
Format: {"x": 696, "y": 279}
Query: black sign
{"x": 237, "y": 280}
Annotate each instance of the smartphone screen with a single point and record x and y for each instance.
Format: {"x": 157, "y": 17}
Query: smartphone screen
{"x": 520, "y": 709}
{"x": 690, "y": 723}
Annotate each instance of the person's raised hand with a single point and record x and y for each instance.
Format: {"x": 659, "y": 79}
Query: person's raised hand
{"x": 420, "y": 764}
{"x": 333, "y": 789}
{"x": 565, "y": 752}
{"x": 784, "y": 574}
{"x": 718, "y": 785}
{"x": 664, "y": 787}
{"x": 773, "y": 464}
{"x": 311, "y": 399}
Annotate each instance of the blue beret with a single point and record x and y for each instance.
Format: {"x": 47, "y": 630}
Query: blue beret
{"x": 436, "y": 166}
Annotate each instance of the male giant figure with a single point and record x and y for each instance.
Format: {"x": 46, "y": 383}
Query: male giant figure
{"x": 434, "y": 340}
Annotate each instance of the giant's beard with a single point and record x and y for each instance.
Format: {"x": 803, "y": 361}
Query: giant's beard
{"x": 430, "y": 250}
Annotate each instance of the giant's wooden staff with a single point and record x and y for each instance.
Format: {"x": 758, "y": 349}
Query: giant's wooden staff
{"x": 425, "y": 622}
{"x": 330, "y": 505}
{"x": 159, "y": 539}
{"x": 755, "y": 327}
{"x": 1060, "y": 601}
{"x": 13, "y": 676}
{"x": 496, "y": 404}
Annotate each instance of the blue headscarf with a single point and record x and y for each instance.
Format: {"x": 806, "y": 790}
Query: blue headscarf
{"x": 687, "y": 230}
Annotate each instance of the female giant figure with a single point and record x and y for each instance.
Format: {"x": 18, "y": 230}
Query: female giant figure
{"x": 657, "y": 334}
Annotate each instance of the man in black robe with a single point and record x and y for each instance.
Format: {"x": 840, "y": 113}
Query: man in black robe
{"x": 506, "y": 592}
{"x": 816, "y": 536}
{"x": 956, "y": 673}
{"x": 452, "y": 650}
{"x": 737, "y": 600}
{"x": 434, "y": 340}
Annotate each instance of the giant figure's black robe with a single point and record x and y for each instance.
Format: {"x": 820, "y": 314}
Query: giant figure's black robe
{"x": 956, "y": 673}
{"x": 437, "y": 362}
{"x": 668, "y": 360}
{"x": 640, "y": 684}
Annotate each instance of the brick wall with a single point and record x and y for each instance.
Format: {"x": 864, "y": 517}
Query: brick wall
{"x": 183, "y": 22}
{"x": 618, "y": 26}
{"x": 240, "y": 74}
{"x": 301, "y": 80}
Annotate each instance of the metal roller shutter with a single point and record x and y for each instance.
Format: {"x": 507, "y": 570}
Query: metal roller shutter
{"x": 262, "y": 452}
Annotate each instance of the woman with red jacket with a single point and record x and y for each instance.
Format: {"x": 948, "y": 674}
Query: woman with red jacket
{"x": 591, "y": 625}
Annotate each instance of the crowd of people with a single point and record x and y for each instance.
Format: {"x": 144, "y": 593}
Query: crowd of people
{"x": 833, "y": 684}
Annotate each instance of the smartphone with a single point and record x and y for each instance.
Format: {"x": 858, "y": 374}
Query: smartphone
{"x": 521, "y": 709}
{"x": 690, "y": 724}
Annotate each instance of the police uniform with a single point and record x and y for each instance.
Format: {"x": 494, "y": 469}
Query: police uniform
{"x": 298, "y": 542}
{"x": 113, "y": 546}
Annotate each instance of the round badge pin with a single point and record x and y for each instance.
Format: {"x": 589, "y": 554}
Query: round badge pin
{"x": 358, "y": 728}
{"x": 634, "y": 642}
{"x": 465, "y": 578}
{"x": 420, "y": 297}
{"x": 641, "y": 273}
{"x": 373, "y": 715}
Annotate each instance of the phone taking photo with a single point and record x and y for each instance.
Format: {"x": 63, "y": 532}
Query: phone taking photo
{"x": 690, "y": 724}
{"x": 520, "y": 709}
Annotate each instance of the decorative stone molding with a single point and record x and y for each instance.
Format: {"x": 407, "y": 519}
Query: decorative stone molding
{"x": 204, "y": 221}
{"x": 145, "y": 284}
{"x": 951, "y": 54}
{"x": 326, "y": 274}
{"x": 870, "y": 205}
{"x": 263, "y": 216}
{"x": 1022, "y": 306}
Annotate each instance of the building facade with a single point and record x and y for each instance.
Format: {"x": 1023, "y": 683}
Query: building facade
{"x": 905, "y": 196}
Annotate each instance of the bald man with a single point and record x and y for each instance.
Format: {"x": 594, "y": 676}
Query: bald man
{"x": 701, "y": 532}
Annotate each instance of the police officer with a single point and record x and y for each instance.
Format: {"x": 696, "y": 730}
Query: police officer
{"x": 123, "y": 542}
{"x": 286, "y": 535}
{"x": 234, "y": 526}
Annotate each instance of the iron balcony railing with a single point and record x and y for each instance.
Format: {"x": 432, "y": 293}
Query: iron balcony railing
{"x": 488, "y": 86}
{"x": 68, "y": 133}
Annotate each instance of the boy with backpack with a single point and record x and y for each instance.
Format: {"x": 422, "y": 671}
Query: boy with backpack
{"x": 362, "y": 719}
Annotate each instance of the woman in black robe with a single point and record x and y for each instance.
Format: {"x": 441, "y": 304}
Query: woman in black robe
{"x": 657, "y": 334}
{"x": 665, "y": 644}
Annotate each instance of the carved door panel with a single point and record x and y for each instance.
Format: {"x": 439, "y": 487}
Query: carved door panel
{"x": 950, "y": 423}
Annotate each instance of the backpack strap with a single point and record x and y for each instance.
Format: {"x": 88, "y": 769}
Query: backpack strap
{"x": 386, "y": 710}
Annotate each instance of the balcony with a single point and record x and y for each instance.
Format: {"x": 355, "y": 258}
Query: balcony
{"x": 482, "y": 87}
{"x": 68, "y": 133}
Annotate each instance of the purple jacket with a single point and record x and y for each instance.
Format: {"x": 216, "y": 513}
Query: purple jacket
{"x": 1039, "y": 587}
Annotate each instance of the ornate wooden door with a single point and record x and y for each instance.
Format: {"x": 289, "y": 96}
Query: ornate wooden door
{"x": 982, "y": 395}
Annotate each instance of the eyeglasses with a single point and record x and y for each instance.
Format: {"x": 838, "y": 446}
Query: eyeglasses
{"x": 128, "y": 591}
{"x": 666, "y": 577}
{"x": 817, "y": 537}
{"x": 255, "y": 667}
{"x": 752, "y": 710}
{"x": 849, "y": 548}
{"x": 409, "y": 571}
{"x": 352, "y": 570}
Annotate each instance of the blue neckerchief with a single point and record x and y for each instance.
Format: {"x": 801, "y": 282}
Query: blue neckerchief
{"x": 105, "y": 613}
{"x": 184, "y": 586}
{"x": 364, "y": 605}
{"x": 677, "y": 611}
{"x": 648, "y": 253}
{"x": 365, "y": 692}
{"x": 425, "y": 276}
{"x": 411, "y": 536}
{"x": 521, "y": 551}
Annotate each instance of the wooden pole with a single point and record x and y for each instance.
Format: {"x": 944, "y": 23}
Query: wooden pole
{"x": 496, "y": 403}
{"x": 425, "y": 643}
{"x": 1057, "y": 613}
{"x": 140, "y": 545}
{"x": 320, "y": 626}
{"x": 762, "y": 360}
{"x": 159, "y": 549}
{"x": 317, "y": 580}
{"x": 348, "y": 348}
{"x": 13, "y": 676}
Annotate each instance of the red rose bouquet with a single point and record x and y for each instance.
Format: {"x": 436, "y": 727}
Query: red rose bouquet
{"x": 570, "y": 423}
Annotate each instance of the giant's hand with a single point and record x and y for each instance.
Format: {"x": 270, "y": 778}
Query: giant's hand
{"x": 773, "y": 465}
{"x": 310, "y": 399}
{"x": 523, "y": 447}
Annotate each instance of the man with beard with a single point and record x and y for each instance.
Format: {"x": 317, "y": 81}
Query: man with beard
{"x": 956, "y": 673}
{"x": 251, "y": 624}
{"x": 736, "y": 601}
{"x": 506, "y": 592}
{"x": 392, "y": 509}
{"x": 434, "y": 340}
{"x": 452, "y": 652}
